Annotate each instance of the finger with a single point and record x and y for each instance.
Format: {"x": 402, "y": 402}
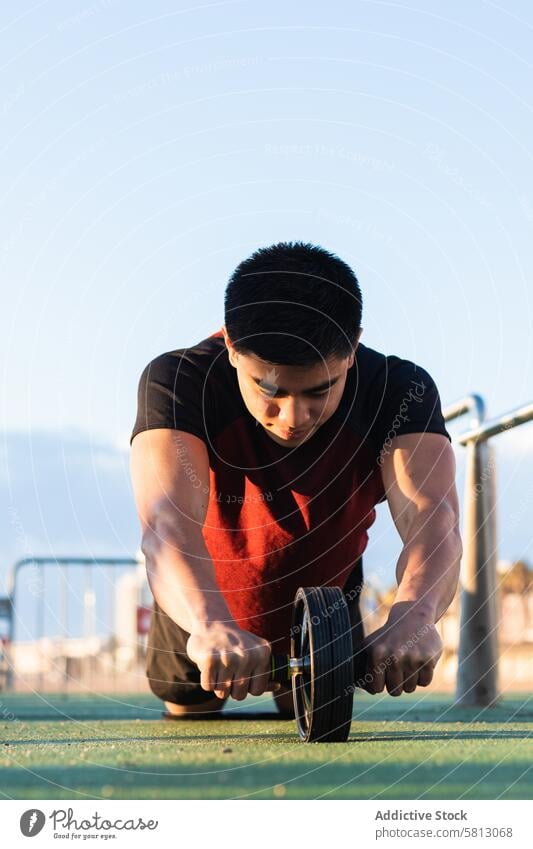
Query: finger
{"x": 208, "y": 677}
{"x": 239, "y": 688}
{"x": 221, "y": 694}
{"x": 410, "y": 683}
{"x": 224, "y": 682}
{"x": 259, "y": 682}
{"x": 395, "y": 679}
{"x": 375, "y": 674}
{"x": 425, "y": 675}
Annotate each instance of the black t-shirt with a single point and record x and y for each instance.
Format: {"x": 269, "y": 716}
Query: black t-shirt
{"x": 279, "y": 517}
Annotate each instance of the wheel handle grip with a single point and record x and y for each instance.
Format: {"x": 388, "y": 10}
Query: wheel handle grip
{"x": 279, "y": 668}
{"x": 359, "y": 666}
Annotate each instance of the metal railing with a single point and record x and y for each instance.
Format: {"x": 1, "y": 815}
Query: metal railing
{"x": 477, "y": 673}
{"x": 36, "y": 588}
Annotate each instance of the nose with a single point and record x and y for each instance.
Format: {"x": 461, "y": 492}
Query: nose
{"x": 293, "y": 414}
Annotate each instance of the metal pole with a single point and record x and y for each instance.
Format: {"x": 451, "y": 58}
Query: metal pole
{"x": 477, "y": 674}
{"x": 519, "y": 416}
{"x": 64, "y": 587}
{"x": 111, "y": 626}
{"x": 40, "y": 631}
{"x": 473, "y": 404}
{"x": 89, "y": 596}
{"x": 477, "y": 678}
{"x": 8, "y": 648}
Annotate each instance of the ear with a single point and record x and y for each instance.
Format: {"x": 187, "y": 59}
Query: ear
{"x": 352, "y": 355}
{"x": 231, "y": 351}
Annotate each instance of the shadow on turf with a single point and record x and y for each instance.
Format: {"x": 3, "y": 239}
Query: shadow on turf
{"x": 366, "y": 709}
{"x": 377, "y": 736}
{"x": 117, "y": 716}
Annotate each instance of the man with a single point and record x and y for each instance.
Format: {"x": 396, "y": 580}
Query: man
{"x": 258, "y": 456}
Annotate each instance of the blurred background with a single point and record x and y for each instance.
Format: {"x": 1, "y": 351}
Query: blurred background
{"x": 146, "y": 150}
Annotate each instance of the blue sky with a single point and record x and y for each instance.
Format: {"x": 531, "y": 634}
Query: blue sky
{"x": 148, "y": 149}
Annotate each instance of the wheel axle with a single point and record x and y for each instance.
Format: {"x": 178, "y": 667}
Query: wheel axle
{"x": 320, "y": 666}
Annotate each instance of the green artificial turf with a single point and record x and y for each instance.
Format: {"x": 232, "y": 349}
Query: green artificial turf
{"x": 417, "y": 746}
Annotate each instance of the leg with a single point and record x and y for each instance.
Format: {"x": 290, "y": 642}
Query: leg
{"x": 202, "y": 710}
{"x": 172, "y": 675}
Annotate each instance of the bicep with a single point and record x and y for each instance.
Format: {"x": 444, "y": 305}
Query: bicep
{"x": 418, "y": 475}
{"x": 170, "y": 478}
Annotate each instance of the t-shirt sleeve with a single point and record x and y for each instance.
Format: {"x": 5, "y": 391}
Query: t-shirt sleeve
{"x": 171, "y": 395}
{"x": 409, "y": 402}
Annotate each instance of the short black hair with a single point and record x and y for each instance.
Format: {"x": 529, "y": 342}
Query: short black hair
{"x": 293, "y": 303}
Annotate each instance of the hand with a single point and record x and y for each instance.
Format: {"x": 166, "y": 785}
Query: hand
{"x": 232, "y": 662}
{"x": 403, "y": 653}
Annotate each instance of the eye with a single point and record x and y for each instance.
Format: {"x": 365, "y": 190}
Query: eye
{"x": 265, "y": 394}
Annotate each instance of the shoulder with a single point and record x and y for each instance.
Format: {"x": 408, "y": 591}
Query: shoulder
{"x": 181, "y": 389}
{"x": 396, "y": 396}
{"x": 191, "y": 364}
{"x": 380, "y": 375}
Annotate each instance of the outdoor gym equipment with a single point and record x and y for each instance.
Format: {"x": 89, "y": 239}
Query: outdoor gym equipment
{"x": 322, "y": 666}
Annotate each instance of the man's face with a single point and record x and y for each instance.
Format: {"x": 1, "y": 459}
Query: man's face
{"x": 290, "y": 402}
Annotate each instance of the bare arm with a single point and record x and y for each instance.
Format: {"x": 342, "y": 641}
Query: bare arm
{"x": 419, "y": 479}
{"x": 172, "y": 510}
{"x": 170, "y": 476}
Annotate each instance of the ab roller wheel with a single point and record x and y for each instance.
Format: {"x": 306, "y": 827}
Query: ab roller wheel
{"x": 320, "y": 665}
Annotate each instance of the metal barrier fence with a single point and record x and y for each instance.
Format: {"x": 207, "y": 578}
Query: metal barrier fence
{"x": 74, "y": 609}
{"x": 477, "y": 674}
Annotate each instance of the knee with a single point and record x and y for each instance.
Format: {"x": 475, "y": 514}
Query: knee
{"x": 284, "y": 702}
{"x": 210, "y": 706}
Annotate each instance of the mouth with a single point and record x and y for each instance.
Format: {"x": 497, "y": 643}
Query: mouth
{"x": 294, "y": 434}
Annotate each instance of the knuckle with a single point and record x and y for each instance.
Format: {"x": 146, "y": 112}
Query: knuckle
{"x": 377, "y": 656}
{"x": 225, "y": 657}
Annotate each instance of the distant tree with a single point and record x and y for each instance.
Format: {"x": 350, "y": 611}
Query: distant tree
{"x": 518, "y": 579}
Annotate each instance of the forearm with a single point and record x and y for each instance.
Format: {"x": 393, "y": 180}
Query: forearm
{"x": 232, "y": 662}
{"x": 182, "y": 579}
{"x": 429, "y": 564}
